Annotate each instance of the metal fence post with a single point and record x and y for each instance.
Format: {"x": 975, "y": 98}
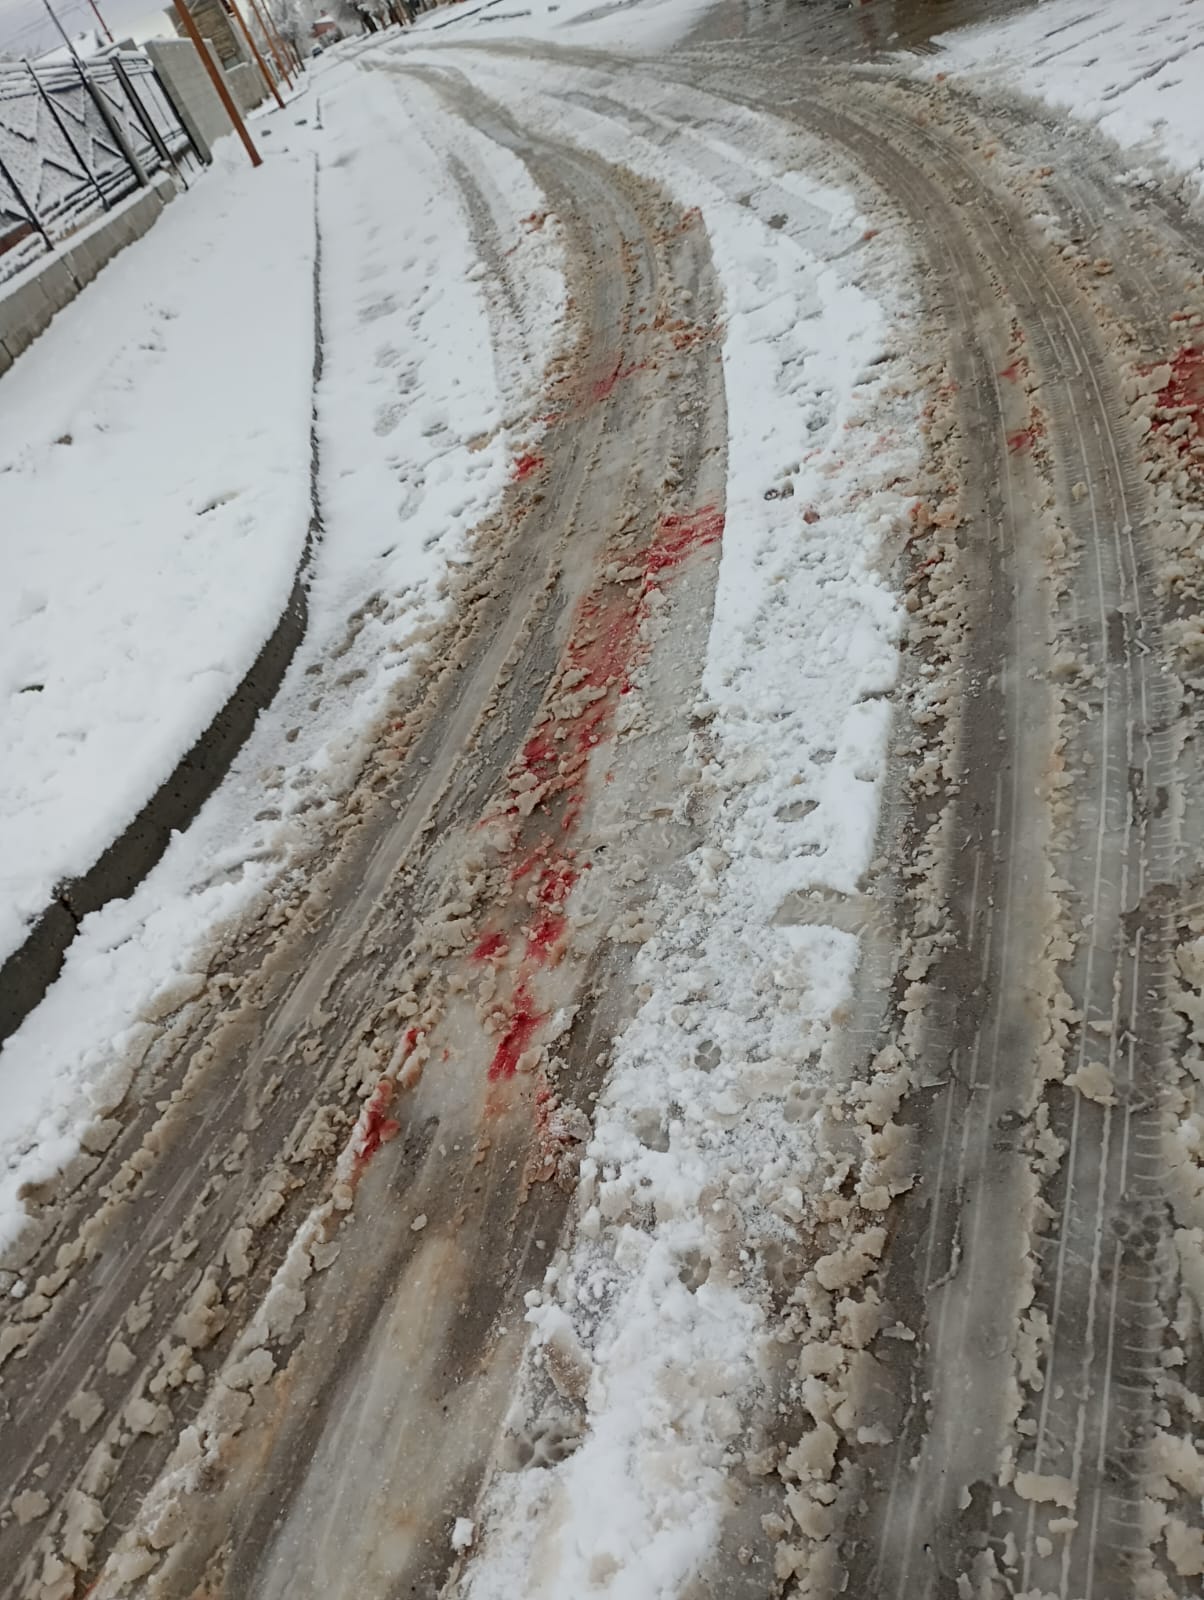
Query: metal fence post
{"x": 139, "y": 110}
{"x": 71, "y": 144}
{"x": 104, "y": 112}
{"x": 31, "y": 215}
{"x": 170, "y": 105}
{"x": 116, "y": 131}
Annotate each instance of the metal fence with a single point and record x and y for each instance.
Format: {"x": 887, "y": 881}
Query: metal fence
{"x": 74, "y": 140}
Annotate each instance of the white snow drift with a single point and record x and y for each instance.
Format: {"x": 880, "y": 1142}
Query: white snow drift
{"x": 1134, "y": 70}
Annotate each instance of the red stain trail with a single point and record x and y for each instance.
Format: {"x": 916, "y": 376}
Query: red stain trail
{"x": 1183, "y": 393}
{"x": 602, "y": 388}
{"x": 1023, "y": 439}
{"x": 524, "y": 1020}
{"x": 376, "y": 1126}
{"x": 525, "y": 465}
{"x": 603, "y": 651}
{"x": 492, "y": 944}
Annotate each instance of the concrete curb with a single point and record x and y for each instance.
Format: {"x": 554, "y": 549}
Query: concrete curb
{"x": 31, "y": 301}
{"x": 31, "y": 969}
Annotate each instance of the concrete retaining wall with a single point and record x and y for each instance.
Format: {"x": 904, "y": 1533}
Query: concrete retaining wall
{"x": 32, "y": 299}
{"x": 246, "y": 85}
{"x": 190, "y": 92}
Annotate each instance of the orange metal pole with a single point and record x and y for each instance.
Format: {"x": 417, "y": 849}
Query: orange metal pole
{"x": 259, "y": 61}
{"x": 218, "y": 81}
{"x": 270, "y": 36}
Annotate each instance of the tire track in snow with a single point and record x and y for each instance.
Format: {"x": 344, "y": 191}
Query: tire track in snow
{"x": 1092, "y": 1419}
{"x": 1106, "y": 1267}
{"x": 311, "y": 1015}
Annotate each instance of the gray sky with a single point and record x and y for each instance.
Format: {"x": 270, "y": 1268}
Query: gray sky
{"x": 25, "y": 27}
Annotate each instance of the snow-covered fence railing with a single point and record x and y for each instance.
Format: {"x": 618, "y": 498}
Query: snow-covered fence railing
{"x": 75, "y": 139}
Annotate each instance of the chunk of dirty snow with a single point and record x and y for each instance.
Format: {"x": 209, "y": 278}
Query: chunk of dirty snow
{"x": 253, "y": 1370}
{"x": 418, "y": 1223}
{"x": 127, "y": 1566}
{"x": 814, "y": 1456}
{"x": 843, "y": 1269}
{"x": 1185, "y": 1547}
{"x": 238, "y": 1252}
{"x": 1180, "y": 1461}
{"x": 1094, "y": 1082}
{"x": 144, "y": 1416}
{"x": 29, "y": 1505}
{"x": 1045, "y": 1486}
{"x": 84, "y": 1521}
{"x": 463, "y": 1534}
{"x": 119, "y": 1359}
{"x": 85, "y": 1407}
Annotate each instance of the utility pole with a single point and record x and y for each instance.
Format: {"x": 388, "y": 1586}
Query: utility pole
{"x": 217, "y": 79}
{"x": 104, "y": 25}
{"x": 259, "y": 61}
{"x": 273, "y": 39}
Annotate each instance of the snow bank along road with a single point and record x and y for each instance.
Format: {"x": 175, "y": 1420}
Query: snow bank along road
{"x": 272, "y": 1340}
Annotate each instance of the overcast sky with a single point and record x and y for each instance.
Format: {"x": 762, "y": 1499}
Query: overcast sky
{"x": 25, "y": 27}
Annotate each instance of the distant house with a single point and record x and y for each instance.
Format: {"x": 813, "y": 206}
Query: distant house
{"x": 327, "y": 30}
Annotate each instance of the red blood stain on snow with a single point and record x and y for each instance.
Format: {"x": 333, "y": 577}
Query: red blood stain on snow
{"x": 1023, "y": 439}
{"x": 678, "y": 537}
{"x": 493, "y": 944}
{"x": 1015, "y": 370}
{"x": 1184, "y": 393}
{"x": 539, "y": 752}
{"x": 556, "y": 883}
{"x": 603, "y": 650}
{"x": 602, "y": 388}
{"x": 525, "y": 465}
{"x": 529, "y": 863}
{"x": 376, "y": 1126}
{"x": 520, "y": 1030}
{"x": 544, "y": 938}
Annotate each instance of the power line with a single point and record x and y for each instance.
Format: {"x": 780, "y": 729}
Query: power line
{"x": 37, "y": 25}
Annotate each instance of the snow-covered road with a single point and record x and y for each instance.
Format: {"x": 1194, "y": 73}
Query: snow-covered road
{"x": 661, "y": 1073}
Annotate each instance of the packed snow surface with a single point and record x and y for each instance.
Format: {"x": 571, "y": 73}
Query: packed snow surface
{"x": 1132, "y": 69}
{"x": 154, "y": 496}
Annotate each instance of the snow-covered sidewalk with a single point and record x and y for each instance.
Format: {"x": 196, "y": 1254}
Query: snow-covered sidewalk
{"x": 154, "y": 494}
